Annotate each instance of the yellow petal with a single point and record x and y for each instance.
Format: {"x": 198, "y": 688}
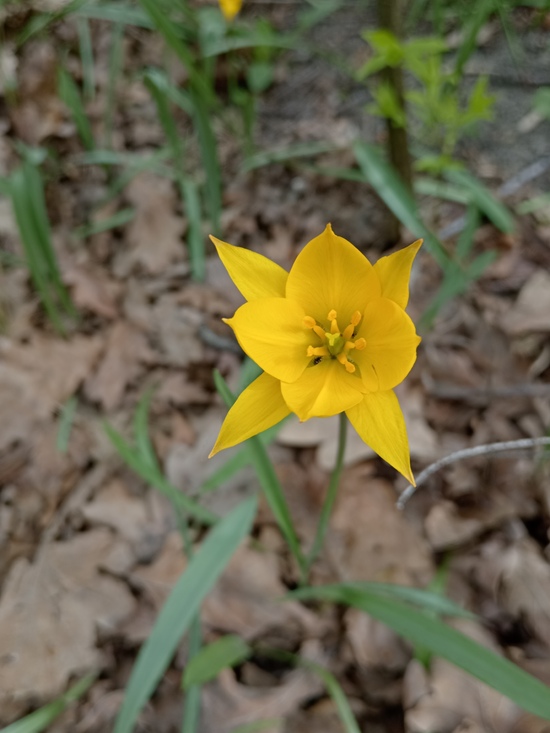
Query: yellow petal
{"x": 391, "y": 343}
{"x": 323, "y": 389}
{"x": 331, "y": 274}
{"x": 379, "y": 421}
{"x": 271, "y": 331}
{"x": 260, "y": 406}
{"x": 254, "y": 275}
{"x": 394, "y": 272}
{"x": 230, "y": 8}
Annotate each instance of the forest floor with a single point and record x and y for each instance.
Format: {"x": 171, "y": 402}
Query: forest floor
{"x": 89, "y": 552}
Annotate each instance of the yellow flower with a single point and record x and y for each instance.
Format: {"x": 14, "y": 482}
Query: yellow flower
{"x": 230, "y": 8}
{"x": 331, "y": 335}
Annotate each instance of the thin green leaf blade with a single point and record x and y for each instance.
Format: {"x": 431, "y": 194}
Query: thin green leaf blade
{"x": 393, "y": 192}
{"x": 182, "y": 604}
{"x": 422, "y": 629}
{"x": 483, "y": 199}
{"x": 226, "y": 652}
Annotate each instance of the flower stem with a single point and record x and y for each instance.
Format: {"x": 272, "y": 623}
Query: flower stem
{"x": 330, "y": 498}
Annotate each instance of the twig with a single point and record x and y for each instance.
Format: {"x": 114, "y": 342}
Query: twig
{"x": 478, "y": 450}
{"x": 484, "y": 394}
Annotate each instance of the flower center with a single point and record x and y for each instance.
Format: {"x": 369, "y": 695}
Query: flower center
{"x": 335, "y": 344}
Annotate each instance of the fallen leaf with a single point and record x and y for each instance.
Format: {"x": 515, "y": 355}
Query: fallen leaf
{"x": 530, "y": 311}
{"x": 446, "y": 698}
{"x": 126, "y": 349}
{"x": 50, "y": 613}
{"x": 370, "y": 539}
{"x": 155, "y": 233}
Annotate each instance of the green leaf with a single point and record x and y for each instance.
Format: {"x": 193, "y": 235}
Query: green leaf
{"x": 226, "y": 652}
{"x": 421, "y": 628}
{"x": 71, "y": 97}
{"x": 393, "y": 192}
{"x": 338, "y": 695}
{"x": 483, "y": 199}
{"x": 269, "y": 482}
{"x": 154, "y": 477}
{"x": 182, "y": 604}
{"x": 44, "y": 717}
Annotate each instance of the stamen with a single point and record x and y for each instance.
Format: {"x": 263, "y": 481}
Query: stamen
{"x": 343, "y": 359}
{"x": 309, "y": 322}
{"x": 317, "y": 351}
{"x": 348, "y": 331}
{"x": 332, "y": 316}
{"x": 349, "y": 345}
{"x": 360, "y": 344}
{"x": 355, "y": 319}
{"x": 319, "y": 331}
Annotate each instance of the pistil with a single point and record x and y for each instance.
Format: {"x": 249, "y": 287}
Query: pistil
{"x": 334, "y": 343}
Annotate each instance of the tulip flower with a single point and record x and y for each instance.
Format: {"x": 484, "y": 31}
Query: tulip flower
{"x": 230, "y": 8}
{"x": 331, "y": 336}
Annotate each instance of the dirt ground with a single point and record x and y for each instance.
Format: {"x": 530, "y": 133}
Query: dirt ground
{"x": 89, "y": 552}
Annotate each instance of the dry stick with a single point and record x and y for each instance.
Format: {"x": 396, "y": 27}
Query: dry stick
{"x": 478, "y": 450}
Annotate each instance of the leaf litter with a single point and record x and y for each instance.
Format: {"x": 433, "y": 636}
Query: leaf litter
{"x": 89, "y": 552}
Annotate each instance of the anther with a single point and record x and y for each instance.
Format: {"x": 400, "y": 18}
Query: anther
{"x": 343, "y": 359}
{"x": 356, "y": 317}
{"x": 317, "y": 351}
{"x": 360, "y": 344}
{"x": 309, "y": 322}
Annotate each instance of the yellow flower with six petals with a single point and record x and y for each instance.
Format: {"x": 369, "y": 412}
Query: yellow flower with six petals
{"x": 331, "y": 336}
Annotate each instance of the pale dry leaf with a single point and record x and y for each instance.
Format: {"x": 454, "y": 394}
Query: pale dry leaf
{"x": 176, "y": 328}
{"x": 50, "y": 613}
{"x": 228, "y": 704}
{"x": 530, "y": 312}
{"x": 157, "y": 579}
{"x": 446, "y": 697}
{"x": 126, "y": 350}
{"x": 245, "y": 600}
{"x": 524, "y": 586}
{"x": 155, "y": 233}
{"x": 370, "y": 539}
{"x": 91, "y": 288}
{"x": 141, "y": 521}
{"x": 38, "y": 377}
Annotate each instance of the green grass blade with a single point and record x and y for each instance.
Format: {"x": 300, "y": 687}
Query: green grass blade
{"x": 144, "y": 446}
{"x": 393, "y": 192}
{"x": 182, "y": 604}
{"x": 120, "y": 219}
{"x": 66, "y": 419}
{"x": 86, "y": 58}
{"x": 170, "y": 32}
{"x": 45, "y": 716}
{"x": 339, "y": 698}
{"x": 269, "y": 483}
{"x": 157, "y": 84}
{"x": 292, "y": 152}
{"x": 136, "y": 462}
{"x": 115, "y": 68}
{"x": 484, "y": 200}
{"x": 209, "y": 154}
{"x": 116, "y": 12}
{"x": 422, "y": 629}
{"x": 70, "y": 95}
{"x": 226, "y": 652}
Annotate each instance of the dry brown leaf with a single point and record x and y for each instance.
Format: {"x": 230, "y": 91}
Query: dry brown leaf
{"x": 158, "y": 578}
{"x": 38, "y": 377}
{"x": 126, "y": 349}
{"x": 370, "y": 539}
{"x": 91, "y": 288}
{"x": 227, "y": 704}
{"x": 245, "y": 600}
{"x": 532, "y": 308}
{"x": 176, "y": 329}
{"x": 39, "y": 112}
{"x": 50, "y": 613}
{"x": 447, "y": 697}
{"x": 155, "y": 233}
{"x": 141, "y": 521}
{"x": 524, "y": 586}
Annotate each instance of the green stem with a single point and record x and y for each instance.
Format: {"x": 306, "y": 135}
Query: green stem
{"x": 330, "y": 498}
